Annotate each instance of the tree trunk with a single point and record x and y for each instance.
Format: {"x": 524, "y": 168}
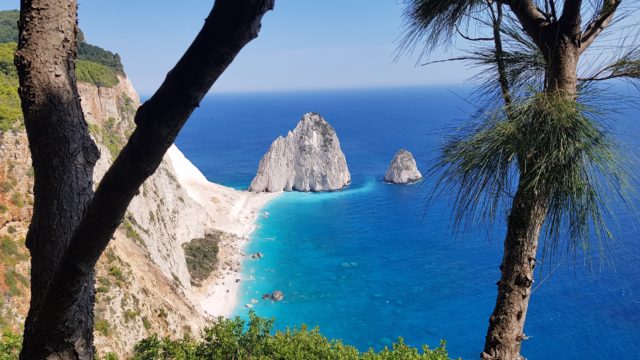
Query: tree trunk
{"x": 529, "y": 208}
{"x": 63, "y": 159}
{"x": 506, "y": 325}
{"x": 562, "y": 76}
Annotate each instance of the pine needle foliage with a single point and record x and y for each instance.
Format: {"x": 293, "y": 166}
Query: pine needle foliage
{"x": 553, "y": 146}
{"x": 433, "y": 22}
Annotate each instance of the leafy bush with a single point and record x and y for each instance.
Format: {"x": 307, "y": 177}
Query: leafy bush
{"x": 10, "y": 111}
{"x": 236, "y": 339}
{"x": 10, "y": 345}
{"x": 102, "y": 326}
{"x": 201, "y": 256}
{"x": 95, "y": 73}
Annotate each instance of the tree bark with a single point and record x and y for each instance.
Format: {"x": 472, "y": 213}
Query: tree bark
{"x": 560, "y": 43}
{"x": 63, "y": 156}
{"x": 71, "y": 225}
{"x": 506, "y": 324}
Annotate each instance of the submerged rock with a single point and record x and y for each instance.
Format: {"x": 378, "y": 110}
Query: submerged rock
{"x": 403, "y": 169}
{"x": 277, "y": 295}
{"x": 309, "y": 158}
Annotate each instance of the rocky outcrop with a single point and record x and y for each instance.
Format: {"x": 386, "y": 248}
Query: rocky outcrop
{"x": 403, "y": 169}
{"x": 309, "y": 158}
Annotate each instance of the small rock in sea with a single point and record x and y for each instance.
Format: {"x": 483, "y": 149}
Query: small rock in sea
{"x": 403, "y": 169}
{"x": 254, "y": 301}
{"x": 266, "y": 296}
{"x": 277, "y": 295}
{"x": 257, "y": 255}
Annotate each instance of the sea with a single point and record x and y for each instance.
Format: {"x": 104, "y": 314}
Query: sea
{"x": 375, "y": 262}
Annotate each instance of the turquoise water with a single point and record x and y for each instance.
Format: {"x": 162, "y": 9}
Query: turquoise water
{"x": 370, "y": 263}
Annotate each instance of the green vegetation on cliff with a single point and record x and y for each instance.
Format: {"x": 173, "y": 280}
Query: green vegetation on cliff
{"x": 9, "y": 26}
{"x": 255, "y": 340}
{"x": 95, "y": 73}
{"x": 94, "y": 65}
{"x": 10, "y": 111}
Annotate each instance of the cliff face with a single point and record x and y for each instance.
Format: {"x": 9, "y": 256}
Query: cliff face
{"x": 142, "y": 283}
{"x": 403, "y": 169}
{"x": 309, "y": 158}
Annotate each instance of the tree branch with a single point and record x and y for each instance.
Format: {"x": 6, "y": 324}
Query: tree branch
{"x": 599, "y": 23}
{"x": 466, "y": 37}
{"x": 570, "y": 19}
{"x": 230, "y": 26}
{"x": 531, "y": 19}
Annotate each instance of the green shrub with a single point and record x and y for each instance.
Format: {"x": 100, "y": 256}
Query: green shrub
{"x": 102, "y": 326}
{"x": 10, "y": 345}
{"x": 131, "y": 232}
{"x": 10, "y": 110}
{"x": 237, "y": 339}
{"x": 3, "y": 208}
{"x": 201, "y": 256}
{"x": 8, "y": 247}
{"x": 110, "y": 356}
{"x": 130, "y": 315}
{"x": 17, "y": 200}
{"x": 117, "y": 273}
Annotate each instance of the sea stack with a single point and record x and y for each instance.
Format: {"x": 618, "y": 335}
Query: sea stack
{"x": 309, "y": 158}
{"x": 403, "y": 169}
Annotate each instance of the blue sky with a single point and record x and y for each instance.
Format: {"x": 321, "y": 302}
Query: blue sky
{"x": 304, "y": 44}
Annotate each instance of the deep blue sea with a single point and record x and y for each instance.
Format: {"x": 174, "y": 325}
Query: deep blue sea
{"x": 371, "y": 263}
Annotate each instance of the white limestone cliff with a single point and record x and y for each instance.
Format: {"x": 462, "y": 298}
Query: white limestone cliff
{"x": 309, "y": 158}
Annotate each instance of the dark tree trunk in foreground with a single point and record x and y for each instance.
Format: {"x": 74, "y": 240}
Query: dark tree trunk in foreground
{"x": 71, "y": 225}
{"x": 63, "y": 159}
{"x": 561, "y": 41}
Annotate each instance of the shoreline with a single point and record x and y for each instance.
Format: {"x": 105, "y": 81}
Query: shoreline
{"x": 232, "y": 211}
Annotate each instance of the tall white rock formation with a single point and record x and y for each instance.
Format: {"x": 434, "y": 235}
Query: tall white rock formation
{"x": 309, "y": 158}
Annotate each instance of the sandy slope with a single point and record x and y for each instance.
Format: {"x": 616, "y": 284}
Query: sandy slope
{"x": 232, "y": 211}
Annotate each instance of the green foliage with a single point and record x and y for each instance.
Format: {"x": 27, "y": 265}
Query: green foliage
{"x": 17, "y": 200}
{"x": 236, "y": 339}
{"x": 3, "y": 208}
{"x": 10, "y": 111}
{"x": 102, "y": 326}
{"x": 117, "y": 273}
{"x": 98, "y": 55}
{"x": 201, "y": 256}
{"x": 146, "y": 323}
{"x": 10, "y": 345}
{"x": 131, "y": 232}
{"x": 433, "y": 22}
{"x": 552, "y": 146}
{"x": 110, "y": 356}
{"x": 6, "y": 59}
{"x": 86, "y": 51}
{"x": 109, "y": 136}
{"x": 9, "y": 25}
{"x": 12, "y": 279}
{"x": 96, "y": 73}
{"x": 8, "y": 247}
